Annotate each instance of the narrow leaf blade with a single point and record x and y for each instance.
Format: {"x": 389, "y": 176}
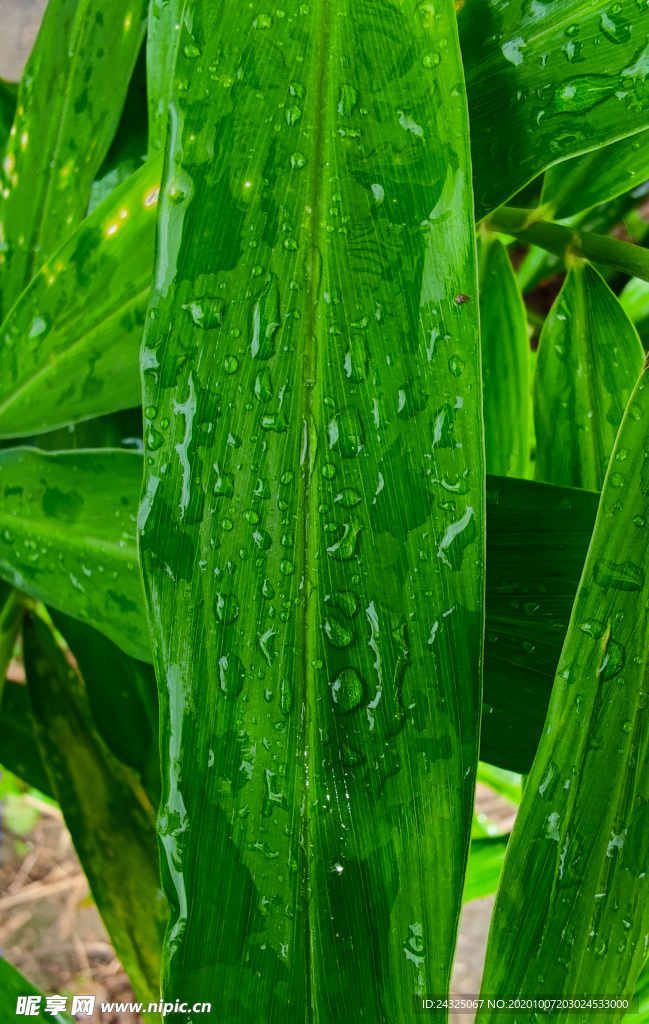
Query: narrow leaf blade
{"x": 299, "y": 442}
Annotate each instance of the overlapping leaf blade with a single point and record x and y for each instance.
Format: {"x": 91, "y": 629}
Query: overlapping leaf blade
{"x": 580, "y": 846}
{"x": 546, "y": 82}
{"x": 81, "y": 65}
{"x": 70, "y": 345}
{"x": 162, "y": 42}
{"x": 596, "y": 177}
{"x": 105, "y": 808}
{"x": 67, "y": 536}
{"x": 505, "y": 362}
{"x": 316, "y": 615}
{"x": 12, "y": 985}
{"x": 589, "y": 360}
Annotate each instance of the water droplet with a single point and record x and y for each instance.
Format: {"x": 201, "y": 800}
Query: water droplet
{"x": 262, "y": 539}
{"x": 356, "y": 359}
{"x": 293, "y": 114}
{"x": 251, "y": 516}
{"x": 346, "y": 434}
{"x": 328, "y": 471}
{"x": 231, "y": 676}
{"x": 348, "y": 498}
{"x": 618, "y": 575}
{"x": 290, "y": 244}
{"x": 297, "y": 160}
{"x": 231, "y": 365}
{"x": 615, "y": 28}
{"x": 285, "y": 696}
{"x": 150, "y": 412}
{"x": 346, "y": 602}
{"x": 287, "y": 477}
{"x": 191, "y": 50}
{"x": 612, "y": 660}
{"x": 346, "y": 691}
{"x": 227, "y": 525}
{"x": 431, "y": 60}
{"x": 348, "y": 100}
{"x": 267, "y": 590}
{"x": 266, "y": 320}
{"x": 206, "y": 313}
{"x": 224, "y": 486}
{"x": 345, "y": 548}
{"x": 617, "y": 480}
{"x": 627, "y": 726}
{"x": 592, "y": 628}
{"x": 227, "y": 608}
{"x": 275, "y": 422}
{"x": 337, "y": 634}
{"x": 456, "y": 365}
{"x": 262, "y": 21}
{"x": 286, "y": 568}
{"x": 154, "y": 440}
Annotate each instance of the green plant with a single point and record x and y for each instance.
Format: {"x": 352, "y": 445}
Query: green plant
{"x": 278, "y": 264}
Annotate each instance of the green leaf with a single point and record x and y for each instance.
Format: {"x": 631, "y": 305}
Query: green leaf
{"x": 571, "y": 915}
{"x": 162, "y": 43}
{"x": 128, "y": 150}
{"x": 538, "y": 537}
{"x": 634, "y": 299}
{"x": 484, "y": 868}
{"x": 8, "y": 93}
{"x": 505, "y": 362}
{"x": 547, "y": 81}
{"x": 589, "y": 360}
{"x": 642, "y": 991}
{"x": 567, "y": 242}
{"x": 67, "y": 536}
{"x": 18, "y": 747}
{"x": 54, "y": 153}
{"x": 596, "y": 177}
{"x": 11, "y": 608}
{"x": 506, "y": 784}
{"x": 104, "y": 806}
{"x": 12, "y": 985}
{"x": 71, "y": 343}
{"x": 123, "y": 699}
{"x": 312, "y": 531}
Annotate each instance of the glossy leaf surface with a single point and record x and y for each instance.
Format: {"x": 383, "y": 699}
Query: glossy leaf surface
{"x": 547, "y": 81}
{"x": 505, "y": 362}
{"x": 596, "y": 177}
{"x": 54, "y": 153}
{"x": 70, "y": 346}
{"x": 589, "y": 360}
{"x": 162, "y": 42}
{"x": 312, "y": 531}
{"x": 67, "y": 536}
{"x": 571, "y": 915}
{"x": 485, "y": 866}
{"x": 538, "y": 537}
{"x": 104, "y": 806}
{"x": 12, "y": 985}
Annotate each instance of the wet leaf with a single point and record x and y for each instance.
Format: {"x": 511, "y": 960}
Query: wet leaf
{"x": 67, "y": 536}
{"x": 570, "y": 915}
{"x": 162, "y": 43}
{"x": 589, "y": 360}
{"x": 104, "y": 806}
{"x": 547, "y": 81}
{"x": 505, "y": 362}
{"x": 70, "y": 345}
{"x": 13, "y": 985}
{"x": 308, "y": 512}
{"x": 67, "y": 113}
{"x": 596, "y": 177}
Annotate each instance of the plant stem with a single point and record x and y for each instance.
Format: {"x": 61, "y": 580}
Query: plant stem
{"x": 569, "y": 241}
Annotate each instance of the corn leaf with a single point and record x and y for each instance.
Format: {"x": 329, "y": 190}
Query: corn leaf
{"x": 589, "y": 360}
{"x": 18, "y": 747}
{"x": 571, "y": 916}
{"x": 162, "y": 42}
{"x": 537, "y": 542}
{"x": 123, "y": 699}
{"x": 13, "y": 985}
{"x": 311, "y": 370}
{"x": 505, "y": 362}
{"x": 105, "y": 808}
{"x": 485, "y": 865}
{"x": 67, "y": 536}
{"x": 547, "y": 81}
{"x": 81, "y": 63}
{"x": 596, "y": 177}
{"x": 538, "y": 537}
{"x": 71, "y": 342}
